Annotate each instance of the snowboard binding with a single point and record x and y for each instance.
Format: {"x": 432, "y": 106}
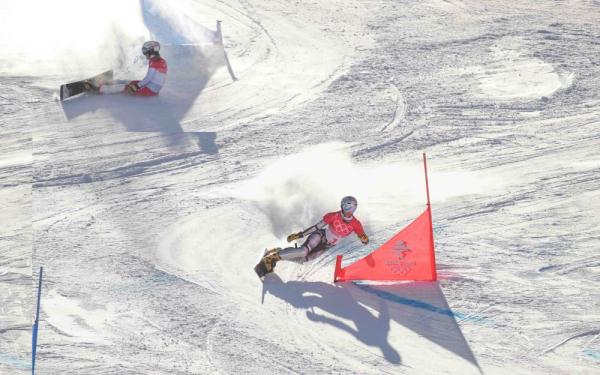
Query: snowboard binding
{"x": 89, "y": 86}
{"x": 267, "y": 263}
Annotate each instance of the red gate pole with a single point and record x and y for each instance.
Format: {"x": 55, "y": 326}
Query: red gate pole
{"x": 432, "y": 250}
{"x": 338, "y": 269}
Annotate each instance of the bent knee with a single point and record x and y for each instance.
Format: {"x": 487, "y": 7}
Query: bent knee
{"x": 293, "y": 253}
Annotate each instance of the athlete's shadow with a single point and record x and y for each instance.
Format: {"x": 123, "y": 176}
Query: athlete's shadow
{"x": 418, "y": 306}
{"x": 338, "y": 301}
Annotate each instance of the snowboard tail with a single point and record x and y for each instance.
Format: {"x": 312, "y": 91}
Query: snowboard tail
{"x": 261, "y": 270}
{"x": 75, "y": 88}
{"x": 267, "y": 263}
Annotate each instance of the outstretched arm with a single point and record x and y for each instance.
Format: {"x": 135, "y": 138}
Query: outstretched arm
{"x": 360, "y": 232}
{"x": 294, "y": 236}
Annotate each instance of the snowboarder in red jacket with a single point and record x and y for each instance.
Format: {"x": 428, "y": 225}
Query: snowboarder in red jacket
{"x": 149, "y": 86}
{"x": 325, "y": 234}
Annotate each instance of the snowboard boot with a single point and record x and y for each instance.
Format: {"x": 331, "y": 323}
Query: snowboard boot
{"x": 90, "y": 86}
{"x": 268, "y": 261}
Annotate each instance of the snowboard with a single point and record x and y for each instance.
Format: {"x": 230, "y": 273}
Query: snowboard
{"x": 261, "y": 268}
{"x": 75, "y": 88}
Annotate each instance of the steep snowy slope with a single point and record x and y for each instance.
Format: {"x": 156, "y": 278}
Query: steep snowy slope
{"x": 148, "y": 215}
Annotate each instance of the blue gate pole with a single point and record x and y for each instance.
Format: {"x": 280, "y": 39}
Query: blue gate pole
{"x": 36, "y": 324}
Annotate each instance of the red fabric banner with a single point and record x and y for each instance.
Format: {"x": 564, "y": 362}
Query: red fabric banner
{"x": 409, "y": 255}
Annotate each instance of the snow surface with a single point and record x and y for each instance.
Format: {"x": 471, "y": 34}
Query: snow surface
{"x": 149, "y": 214}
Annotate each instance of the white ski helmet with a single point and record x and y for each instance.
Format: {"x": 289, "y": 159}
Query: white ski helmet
{"x": 150, "y": 48}
{"x": 348, "y": 205}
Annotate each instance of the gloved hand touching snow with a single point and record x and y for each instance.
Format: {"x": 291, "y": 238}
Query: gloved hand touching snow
{"x": 132, "y": 87}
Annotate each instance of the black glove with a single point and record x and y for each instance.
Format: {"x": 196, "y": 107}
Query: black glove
{"x": 294, "y": 236}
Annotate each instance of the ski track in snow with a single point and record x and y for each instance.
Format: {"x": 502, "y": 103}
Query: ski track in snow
{"x": 148, "y": 215}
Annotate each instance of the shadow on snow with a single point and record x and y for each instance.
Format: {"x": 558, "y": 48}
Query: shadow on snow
{"x": 418, "y": 306}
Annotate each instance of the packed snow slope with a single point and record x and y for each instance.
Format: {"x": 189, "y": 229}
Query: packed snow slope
{"x": 149, "y": 214}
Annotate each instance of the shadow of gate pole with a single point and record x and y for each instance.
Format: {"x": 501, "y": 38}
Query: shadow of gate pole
{"x": 422, "y": 308}
{"x": 418, "y": 306}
